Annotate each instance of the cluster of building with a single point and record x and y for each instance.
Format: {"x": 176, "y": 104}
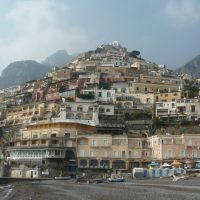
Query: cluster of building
{"x": 97, "y": 112}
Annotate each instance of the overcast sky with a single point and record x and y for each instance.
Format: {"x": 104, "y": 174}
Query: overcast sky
{"x": 165, "y": 31}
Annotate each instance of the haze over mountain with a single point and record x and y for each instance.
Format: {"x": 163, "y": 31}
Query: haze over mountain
{"x": 192, "y": 67}
{"x": 58, "y": 58}
{"x": 20, "y": 72}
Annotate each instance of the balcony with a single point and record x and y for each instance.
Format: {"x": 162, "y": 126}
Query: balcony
{"x": 100, "y": 145}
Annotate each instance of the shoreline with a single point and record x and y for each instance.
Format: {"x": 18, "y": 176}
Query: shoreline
{"x": 150, "y": 189}
{"x": 7, "y": 180}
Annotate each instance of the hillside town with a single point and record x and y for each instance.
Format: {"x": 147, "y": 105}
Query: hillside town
{"x": 107, "y": 109}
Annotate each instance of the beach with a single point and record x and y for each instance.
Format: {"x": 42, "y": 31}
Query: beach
{"x": 5, "y": 190}
{"x": 150, "y": 189}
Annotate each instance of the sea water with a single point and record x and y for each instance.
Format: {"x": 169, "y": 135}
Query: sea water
{"x": 5, "y": 190}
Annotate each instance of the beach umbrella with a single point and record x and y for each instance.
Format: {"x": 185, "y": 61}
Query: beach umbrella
{"x": 176, "y": 163}
{"x": 153, "y": 164}
{"x": 188, "y": 161}
{"x": 166, "y": 165}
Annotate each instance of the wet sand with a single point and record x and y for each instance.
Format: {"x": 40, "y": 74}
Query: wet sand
{"x": 151, "y": 189}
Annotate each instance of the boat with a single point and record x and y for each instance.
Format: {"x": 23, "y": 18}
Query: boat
{"x": 116, "y": 178}
{"x": 97, "y": 180}
{"x": 62, "y": 177}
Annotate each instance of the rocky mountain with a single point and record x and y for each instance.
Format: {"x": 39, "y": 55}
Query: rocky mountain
{"x": 192, "y": 67}
{"x": 21, "y": 71}
{"x": 59, "y": 58}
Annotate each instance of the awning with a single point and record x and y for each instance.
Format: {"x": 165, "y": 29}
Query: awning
{"x": 175, "y": 162}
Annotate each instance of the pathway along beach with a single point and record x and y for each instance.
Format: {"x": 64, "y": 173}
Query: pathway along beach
{"x": 151, "y": 189}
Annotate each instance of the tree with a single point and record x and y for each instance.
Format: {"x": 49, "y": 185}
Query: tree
{"x": 106, "y": 86}
{"x": 134, "y": 54}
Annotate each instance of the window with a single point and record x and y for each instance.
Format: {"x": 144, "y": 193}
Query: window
{"x": 108, "y": 110}
{"x": 192, "y": 108}
{"x": 100, "y": 94}
{"x": 92, "y": 153}
{"x": 94, "y": 143}
{"x": 105, "y": 154}
{"x": 79, "y": 109}
{"x": 145, "y": 89}
{"x": 69, "y": 143}
{"x": 44, "y": 135}
{"x": 105, "y": 142}
{"x": 129, "y": 154}
{"x": 170, "y": 153}
{"x": 101, "y": 110}
{"x": 164, "y": 141}
{"x": 190, "y": 142}
{"x": 82, "y": 153}
{"x": 194, "y": 153}
{"x": 68, "y": 109}
{"x": 148, "y": 100}
{"x": 33, "y": 142}
{"x": 90, "y": 109}
{"x": 108, "y": 94}
{"x": 81, "y": 142}
{"x": 35, "y": 136}
{"x": 136, "y": 153}
{"x": 182, "y": 153}
{"x": 67, "y": 135}
{"x": 177, "y": 141}
{"x": 123, "y": 90}
{"x": 53, "y": 135}
{"x": 43, "y": 142}
{"x": 115, "y": 154}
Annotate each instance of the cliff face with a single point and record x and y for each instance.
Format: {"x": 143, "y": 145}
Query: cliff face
{"x": 22, "y": 71}
{"x": 59, "y": 58}
{"x": 192, "y": 67}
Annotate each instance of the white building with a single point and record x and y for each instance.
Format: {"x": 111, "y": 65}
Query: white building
{"x": 101, "y": 94}
{"x": 186, "y": 108}
{"x": 79, "y": 112}
{"x": 189, "y": 107}
{"x": 165, "y": 108}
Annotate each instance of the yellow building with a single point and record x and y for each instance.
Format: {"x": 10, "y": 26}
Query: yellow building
{"x": 167, "y": 96}
{"x": 109, "y": 151}
{"x": 138, "y": 87}
{"x": 161, "y": 91}
{"x": 30, "y": 113}
{"x": 171, "y": 147}
{"x": 50, "y": 145}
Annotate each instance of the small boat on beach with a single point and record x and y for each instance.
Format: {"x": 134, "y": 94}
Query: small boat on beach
{"x": 96, "y": 181}
{"x": 116, "y": 178}
{"x": 62, "y": 177}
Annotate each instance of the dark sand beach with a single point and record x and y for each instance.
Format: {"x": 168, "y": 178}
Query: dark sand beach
{"x": 151, "y": 189}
